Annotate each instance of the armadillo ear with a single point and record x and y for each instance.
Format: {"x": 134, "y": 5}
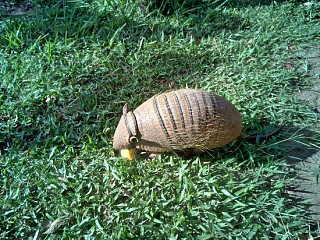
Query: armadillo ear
{"x": 125, "y": 109}
{"x": 133, "y": 139}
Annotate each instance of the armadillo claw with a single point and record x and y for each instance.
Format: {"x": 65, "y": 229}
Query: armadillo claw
{"x": 128, "y": 154}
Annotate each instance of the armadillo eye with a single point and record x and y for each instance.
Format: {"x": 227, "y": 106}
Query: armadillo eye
{"x": 133, "y": 139}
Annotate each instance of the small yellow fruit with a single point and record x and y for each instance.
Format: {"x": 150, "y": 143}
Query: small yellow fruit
{"x": 128, "y": 154}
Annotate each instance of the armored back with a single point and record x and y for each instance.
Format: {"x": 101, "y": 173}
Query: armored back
{"x": 185, "y": 119}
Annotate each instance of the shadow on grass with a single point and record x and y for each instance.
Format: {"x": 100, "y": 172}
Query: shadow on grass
{"x": 169, "y": 7}
{"x": 303, "y": 156}
{"x": 129, "y": 22}
{"x": 301, "y": 144}
{"x": 250, "y": 3}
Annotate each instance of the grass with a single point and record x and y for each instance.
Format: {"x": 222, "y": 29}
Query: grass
{"x": 68, "y": 67}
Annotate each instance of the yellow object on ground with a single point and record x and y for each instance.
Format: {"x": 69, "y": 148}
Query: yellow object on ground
{"x": 128, "y": 154}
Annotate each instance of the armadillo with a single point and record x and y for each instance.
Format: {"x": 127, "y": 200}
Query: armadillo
{"x": 185, "y": 119}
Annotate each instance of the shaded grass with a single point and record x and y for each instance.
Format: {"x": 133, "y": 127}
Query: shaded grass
{"x": 68, "y": 69}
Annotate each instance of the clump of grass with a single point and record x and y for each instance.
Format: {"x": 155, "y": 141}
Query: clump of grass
{"x": 67, "y": 70}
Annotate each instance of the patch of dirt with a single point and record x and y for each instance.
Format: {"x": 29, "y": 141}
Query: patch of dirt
{"x": 312, "y": 95}
{"x": 15, "y": 8}
{"x": 304, "y": 155}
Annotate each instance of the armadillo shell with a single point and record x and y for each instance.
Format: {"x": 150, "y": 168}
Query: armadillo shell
{"x": 186, "y": 119}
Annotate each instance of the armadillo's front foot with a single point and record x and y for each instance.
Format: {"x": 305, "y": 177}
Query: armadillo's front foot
{"x": 132, "y": 154}
{"x": 155, "y": 155}
{"x": 149, "y": 155}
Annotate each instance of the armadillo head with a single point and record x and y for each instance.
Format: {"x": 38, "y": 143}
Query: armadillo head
{"x": 126, "y": 135}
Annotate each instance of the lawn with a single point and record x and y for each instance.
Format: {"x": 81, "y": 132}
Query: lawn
{"x": 68, "y": 67}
